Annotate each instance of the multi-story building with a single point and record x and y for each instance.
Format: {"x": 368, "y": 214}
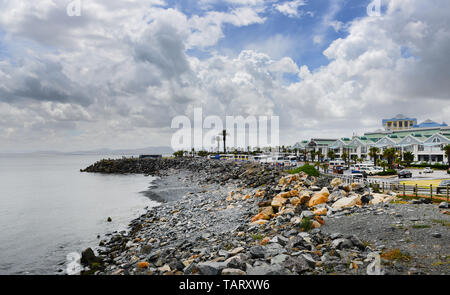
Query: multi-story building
{"x": 425, "y": 141}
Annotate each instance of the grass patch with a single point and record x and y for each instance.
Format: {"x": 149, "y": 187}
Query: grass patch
{"x": 418, "y": 226}
{"x": 257, "y": 237}
{"x": 306, "y": 224}
{"x": 308, "y": 169}
{"x": 396, "y": 254}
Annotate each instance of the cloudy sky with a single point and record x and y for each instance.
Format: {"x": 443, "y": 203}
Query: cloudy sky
{"x": 116, "y": 75}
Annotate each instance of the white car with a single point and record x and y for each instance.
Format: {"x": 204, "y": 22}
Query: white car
{"x": 374, "y": 170}
{"x": 427, "y": 170}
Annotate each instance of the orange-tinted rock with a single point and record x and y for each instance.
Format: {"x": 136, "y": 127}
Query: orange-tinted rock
{"x": 315, "y": 224}
{"x": 318, "y": 198}
{"x": 143, "y": 264}
{"x": 322, "y": 211}
{"x": 295, "y": 201}
{"x": 278, "y": 201}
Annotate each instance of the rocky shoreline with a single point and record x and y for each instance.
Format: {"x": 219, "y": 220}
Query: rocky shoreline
{"x": 253, "y": 219}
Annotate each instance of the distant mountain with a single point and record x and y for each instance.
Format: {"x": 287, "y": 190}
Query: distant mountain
{"x": 159, "y": 150}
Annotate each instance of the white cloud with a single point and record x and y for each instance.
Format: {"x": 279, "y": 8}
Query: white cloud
{"x": 290, "y": 8}
{"x": 118, "y": 74}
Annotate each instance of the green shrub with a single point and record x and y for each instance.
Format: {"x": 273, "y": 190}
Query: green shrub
{"x": 387, "y": 172}
{"x": 308, "y": 169}
{"x": 306, "y": 224}
{"x": 436, "y": 166}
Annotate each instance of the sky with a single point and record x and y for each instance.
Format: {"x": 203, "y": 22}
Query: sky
{"x": 113, "y": 74}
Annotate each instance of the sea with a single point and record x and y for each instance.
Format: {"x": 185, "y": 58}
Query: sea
{"x": 49, "y": 210}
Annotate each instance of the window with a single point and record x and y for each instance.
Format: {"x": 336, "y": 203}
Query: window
{"x": 436, "y": 140}
{"x": 421, "y": 148}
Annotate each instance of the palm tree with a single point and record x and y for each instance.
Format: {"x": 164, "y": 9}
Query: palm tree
{"x": 409, "y": 157}
{"x": 384, "y": 164}
{"x": 373, "y": 153}
{"x": 345, "y": 156}
{"x": 331, "y": 155}
{"x": 447, "y": 153}
{"x": 319, "y": 155}
{"x": 312, "y": 153}
{"x": 390, "y": 154}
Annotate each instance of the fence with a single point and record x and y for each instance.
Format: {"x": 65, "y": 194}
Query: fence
{"x": 437, "y": 193}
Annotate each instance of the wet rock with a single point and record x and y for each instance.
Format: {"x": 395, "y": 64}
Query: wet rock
{"x": 88, "y": 257}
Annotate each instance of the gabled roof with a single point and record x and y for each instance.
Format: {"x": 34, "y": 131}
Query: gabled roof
{"x": 438, "y": 139}
{"x": 412, "y": 139}
{"x": 343, "y": 142}
{"x": 387, "y": 141}
{"x": 323, "y": 141}
{"x": 301, "y": 144}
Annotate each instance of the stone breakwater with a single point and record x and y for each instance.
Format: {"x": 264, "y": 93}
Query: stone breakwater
{"x": 257, "y": 220}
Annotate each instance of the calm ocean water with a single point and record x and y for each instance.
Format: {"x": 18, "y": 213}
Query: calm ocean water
{"x": 49, "y": 209}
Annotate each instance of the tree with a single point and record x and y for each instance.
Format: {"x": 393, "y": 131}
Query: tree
{"x": 384, "y": 164}
{"x": 345, "y": 157}
{"x": 331, "y": 155}
{"x": 312, "y": 153}
{"x": 178, "y": 154}
{"x": 390, "y": 154}
{"x": 373, "y": 153}
{"x": 409, "y": 157}
{"x": 447, "y": 153}
{"x": 202, "y": 153}
{"x": 319, "y": 155}
{"x": 354, "y": 158}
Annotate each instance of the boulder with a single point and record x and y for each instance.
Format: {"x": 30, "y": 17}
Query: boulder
{"x": 381, "y": 198}
{"x": 347, "y": 202}
{"x": 88, "y": 257}
{"x": 319, "y": 198}
{"x": 297, "y": 264}
{"x": 336, "y": 182}
{"x": 304, "y": 197}
{"x": 336, "y": 195}
{"x": 211, "y": 268}
{"x": 322, "y": 211}
{"x": 278, "y": 201}
{"x": 295, "y": 201}
{"x": 341, "y": 243}
{"x": 264, "y": 214}
{"x": 315, "y": 224}
{"x": 257, "y": 252}
{"x": 143, "y": 265}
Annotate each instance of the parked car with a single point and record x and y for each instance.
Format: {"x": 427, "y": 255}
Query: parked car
{"x": 359, "y": 174}
{"x": 427, "y": 170}
{"x": 374, "y": 170}
{"x": 443, "y": 186}
{"x": 404, "y": 174}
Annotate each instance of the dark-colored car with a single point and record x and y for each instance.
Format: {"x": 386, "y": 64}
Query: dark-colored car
{"x": 442, "y": 187}
{"x": 404, "y": 174}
